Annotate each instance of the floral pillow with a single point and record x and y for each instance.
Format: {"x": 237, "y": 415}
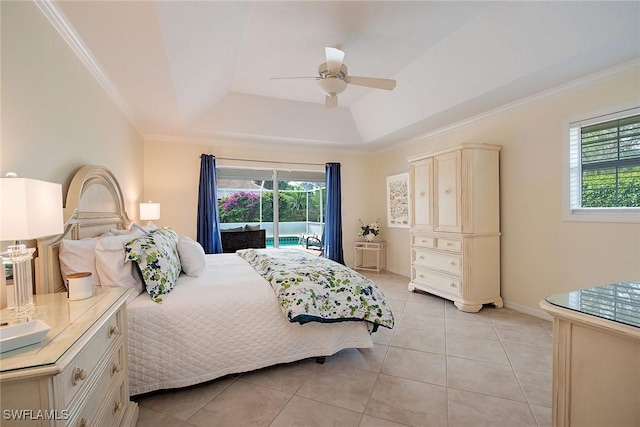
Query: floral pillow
{"x": 156, "y": 254}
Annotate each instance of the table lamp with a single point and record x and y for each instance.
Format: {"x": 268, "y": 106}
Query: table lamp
{"x": 150, "y": 212}
{"x": 29, "y": 209}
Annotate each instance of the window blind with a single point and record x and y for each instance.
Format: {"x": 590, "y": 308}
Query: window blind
{"x": 609, "y": 161}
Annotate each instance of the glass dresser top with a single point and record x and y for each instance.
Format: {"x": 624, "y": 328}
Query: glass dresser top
{"x": 619, "y": 302}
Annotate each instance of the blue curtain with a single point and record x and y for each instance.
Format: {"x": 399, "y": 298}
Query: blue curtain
{"x": 208, "y": 218}
{"x": 333, "y": 221}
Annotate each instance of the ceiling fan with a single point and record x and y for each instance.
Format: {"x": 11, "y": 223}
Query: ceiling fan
{"x": 333, "y": 78}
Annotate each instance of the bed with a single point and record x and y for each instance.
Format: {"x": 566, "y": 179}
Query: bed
{"x": 226, "y": 320}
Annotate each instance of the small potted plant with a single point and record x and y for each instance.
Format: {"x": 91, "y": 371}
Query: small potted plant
{"x": 369, "y": 231}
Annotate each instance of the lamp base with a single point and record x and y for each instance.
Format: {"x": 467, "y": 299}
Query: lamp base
{"x": 20, "y": 259}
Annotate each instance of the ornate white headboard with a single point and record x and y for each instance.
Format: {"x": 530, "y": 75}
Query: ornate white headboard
{"x": 93, "y": 204}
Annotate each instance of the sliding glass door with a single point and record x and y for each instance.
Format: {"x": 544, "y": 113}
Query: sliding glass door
{"x": 289, "y": 205}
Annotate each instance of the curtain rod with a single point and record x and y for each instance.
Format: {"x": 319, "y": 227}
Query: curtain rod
{"x": 267, "y": 161}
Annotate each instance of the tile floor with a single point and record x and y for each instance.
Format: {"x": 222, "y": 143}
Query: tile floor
{"x": 437, "y": 367}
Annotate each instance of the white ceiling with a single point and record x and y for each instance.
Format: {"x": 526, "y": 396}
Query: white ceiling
{"x": 201, "y": 69}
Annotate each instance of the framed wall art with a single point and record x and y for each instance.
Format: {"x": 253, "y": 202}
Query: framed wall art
{"x": 398, "y": 200}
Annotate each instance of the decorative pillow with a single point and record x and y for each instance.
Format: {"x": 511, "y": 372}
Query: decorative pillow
{"x": 192, "y": 256}
{"x": 251, "y": 227}
{"x": 78, "y": 256}
{"x": 157, "y": 256}
{"x": 113, "y": 266}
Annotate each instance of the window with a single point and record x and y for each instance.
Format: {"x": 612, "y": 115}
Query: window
{"x": 604, "y": 167}
{"x": 287, "y": 204}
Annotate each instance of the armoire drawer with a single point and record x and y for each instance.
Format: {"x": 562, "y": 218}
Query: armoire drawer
{"x": 433, "y": 280}
{"x": 452, "y": 245}
{"x": 80, "y": 371}
{"x": 423, "y": 241}
{"x": 451, "y": 263}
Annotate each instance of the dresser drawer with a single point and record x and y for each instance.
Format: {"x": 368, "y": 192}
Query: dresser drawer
{"x": 115, "y": 407}
{"x": 423, "y": 241}
{"x": 452, "y": 245}
{"x": 111, "y": 374}
{"x": 80, "y": 372}
{"x": 429, "y": 279}
{"x": 450, "y": 263}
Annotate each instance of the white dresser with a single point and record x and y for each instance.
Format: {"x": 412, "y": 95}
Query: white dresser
{"x": 455, "y": 225}
{"x": 77, "y": 376}
{"x": 596, "y": 356}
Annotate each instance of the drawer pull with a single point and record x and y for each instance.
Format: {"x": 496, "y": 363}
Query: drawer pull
{"x": 424, "y": 241}
{"x": 116, "y": 407}
{"x": 422, "y": 194}
{"x": 83, "y": 423}
{"x": 420, "y": 276}
{"x": 115, "y": 369}
{"x": 78, "y": 375}
{"x": 452, "y": 262}
{"x": 448, "y": 244}
{"x": 113, "y": 330}
{"x": 447, "y": 191}
{"x": 452, "y": 284}
{"x": 420, "y": 257}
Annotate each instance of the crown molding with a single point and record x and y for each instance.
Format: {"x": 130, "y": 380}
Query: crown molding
{"x": 58, "y": 21}
{"x": 257, "y": 141}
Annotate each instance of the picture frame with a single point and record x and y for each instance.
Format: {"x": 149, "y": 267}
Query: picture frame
{"x": 398, "y": 200}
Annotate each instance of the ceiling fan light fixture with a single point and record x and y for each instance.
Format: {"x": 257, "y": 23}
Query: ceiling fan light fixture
{"x": 332, "y": 86}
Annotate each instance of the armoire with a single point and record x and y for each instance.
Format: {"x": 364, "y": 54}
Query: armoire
{"x": 454, "y": 197}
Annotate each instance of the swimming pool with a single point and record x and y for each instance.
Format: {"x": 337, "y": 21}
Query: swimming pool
{"x": 283, "y": 241}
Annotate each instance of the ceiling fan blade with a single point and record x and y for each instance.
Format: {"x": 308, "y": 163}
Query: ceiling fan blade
{"x": 330, "y": 101}
{"x": 334, "y": 59}
{"x": 290, "y": 78}
{"x": 386, "y": 84}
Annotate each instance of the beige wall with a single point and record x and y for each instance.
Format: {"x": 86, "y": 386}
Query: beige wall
{"x": 541, "y": 253}
{"x": 172, "y": 171}
{"x": 55, "y": 116}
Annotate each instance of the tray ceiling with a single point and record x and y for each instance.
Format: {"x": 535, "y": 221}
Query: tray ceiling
{"x": 202, "y": 70}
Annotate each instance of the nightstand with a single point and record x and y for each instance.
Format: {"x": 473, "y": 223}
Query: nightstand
{"x": 78, "y": 374}
{"x": 378, "y": 250}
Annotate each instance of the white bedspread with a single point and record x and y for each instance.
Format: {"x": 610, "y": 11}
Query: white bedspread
{"x": 225, "y": 321}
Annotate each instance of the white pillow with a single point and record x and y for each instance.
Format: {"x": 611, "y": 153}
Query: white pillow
{"x": 192, "y": 256}
{"x": 146, "y": 228}
{"x": 134, "y": 227}
{"x": 118, "y": 232}
{"x": 78, "y": 256}
{"x": 113, "y": 268}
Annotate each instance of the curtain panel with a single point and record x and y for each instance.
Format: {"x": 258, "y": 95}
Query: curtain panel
{"x": 333, "y": 221}
{"x": 208, "y": 217}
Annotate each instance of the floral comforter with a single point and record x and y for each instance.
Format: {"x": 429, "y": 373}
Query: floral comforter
{"x": 314, "y": 289}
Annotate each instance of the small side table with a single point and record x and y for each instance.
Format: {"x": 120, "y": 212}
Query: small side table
{"x": 361, "y": 247}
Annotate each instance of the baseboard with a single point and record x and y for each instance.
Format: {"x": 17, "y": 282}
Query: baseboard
{"x": 398, "y": 272}
{"x": 535, "y": 312}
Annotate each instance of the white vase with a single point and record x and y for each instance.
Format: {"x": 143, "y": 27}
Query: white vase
{"x": 369, "y": 237}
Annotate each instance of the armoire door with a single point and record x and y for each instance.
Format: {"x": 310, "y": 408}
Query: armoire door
{"x": 421, "y": 184}
{"x": 448, "y": 192}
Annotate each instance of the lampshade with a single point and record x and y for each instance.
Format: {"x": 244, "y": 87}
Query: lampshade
{"x": 29, "y": 209}
{"x": 149, "y": 211}
{"x": 332, "y": 86}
